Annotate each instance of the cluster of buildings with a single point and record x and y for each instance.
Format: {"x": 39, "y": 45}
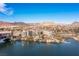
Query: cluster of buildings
{"x": 40, "y": 32}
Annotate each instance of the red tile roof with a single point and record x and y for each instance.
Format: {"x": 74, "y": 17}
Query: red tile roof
{"x": 6, "y": 24}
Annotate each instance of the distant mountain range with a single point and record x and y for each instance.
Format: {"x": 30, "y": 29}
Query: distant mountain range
{"x": 2, "y": 23}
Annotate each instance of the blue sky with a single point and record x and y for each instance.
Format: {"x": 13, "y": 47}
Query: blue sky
{"x": 30, "y": 12}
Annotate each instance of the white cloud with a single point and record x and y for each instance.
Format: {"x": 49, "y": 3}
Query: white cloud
{"x": 5, "y": 10}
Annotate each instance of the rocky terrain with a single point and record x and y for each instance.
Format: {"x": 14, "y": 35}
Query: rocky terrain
{"x": 43, "y": 32}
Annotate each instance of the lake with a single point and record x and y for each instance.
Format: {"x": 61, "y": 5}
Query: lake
{"x": 22, "y": 48}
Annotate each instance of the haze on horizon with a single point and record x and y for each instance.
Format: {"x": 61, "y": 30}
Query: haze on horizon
{"x": 39, "y": 12}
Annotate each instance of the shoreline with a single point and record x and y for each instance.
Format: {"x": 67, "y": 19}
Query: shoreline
{"x": 47, "y": 40}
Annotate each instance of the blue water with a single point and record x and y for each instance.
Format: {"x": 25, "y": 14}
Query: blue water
{"x": 22, "y": 48}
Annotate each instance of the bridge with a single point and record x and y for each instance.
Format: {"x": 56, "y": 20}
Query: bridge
{"x": 5, "y": 36}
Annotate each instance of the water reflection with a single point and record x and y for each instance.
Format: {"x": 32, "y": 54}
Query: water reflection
{"x": 23, "y": 48}
{"x": 6, "y": 44}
